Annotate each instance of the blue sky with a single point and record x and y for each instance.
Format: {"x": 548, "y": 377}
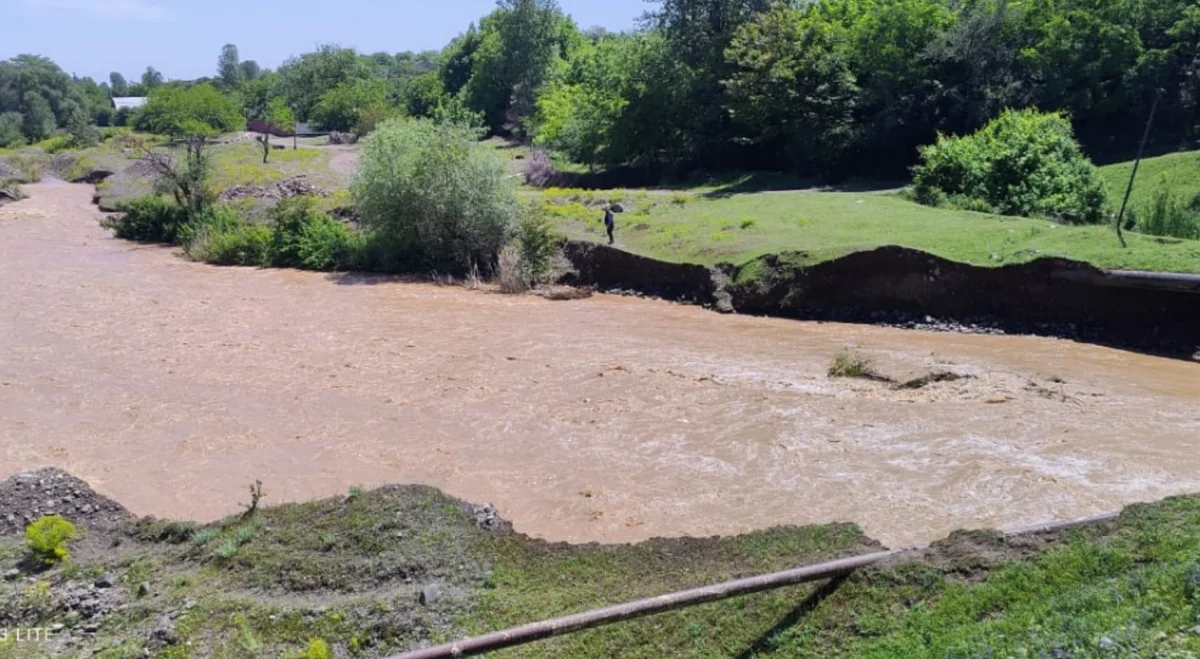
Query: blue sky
{"x": 182, "y": 38}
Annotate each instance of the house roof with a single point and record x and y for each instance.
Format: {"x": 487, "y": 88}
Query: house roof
{"x": 128, "y": 102}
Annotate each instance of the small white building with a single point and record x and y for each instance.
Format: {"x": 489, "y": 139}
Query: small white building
{"x": 128, "y": 102}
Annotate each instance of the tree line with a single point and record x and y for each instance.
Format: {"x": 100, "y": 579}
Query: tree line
{"x": 816, "y": 87}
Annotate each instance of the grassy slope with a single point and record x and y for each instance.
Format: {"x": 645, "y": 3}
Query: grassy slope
{"x": 1180, "y": 172}
{"x": 711, "y": 228}
{"x": 347, "y": 570}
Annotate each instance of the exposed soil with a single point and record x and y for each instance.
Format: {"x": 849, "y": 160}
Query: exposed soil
{"x": 170, "y": 385}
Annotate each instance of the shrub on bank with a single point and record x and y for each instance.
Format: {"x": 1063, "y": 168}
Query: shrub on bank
{"x": 48, "y": 537}
{"x": 1023, "y": 163}
{"x": 244, "y": 244}
{"x": 432, "y": 188}
{"x": 149, "y": 219}
{"x": 306, "y": 238}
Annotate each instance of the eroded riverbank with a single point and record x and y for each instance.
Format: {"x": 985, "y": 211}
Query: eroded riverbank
{"x": 170, "y": 385}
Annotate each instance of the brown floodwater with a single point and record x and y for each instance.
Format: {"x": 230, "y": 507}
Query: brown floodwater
{"x": 171, "y": 386}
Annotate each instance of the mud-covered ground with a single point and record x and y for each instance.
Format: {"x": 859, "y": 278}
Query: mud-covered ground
{"x": 170, "y": 385}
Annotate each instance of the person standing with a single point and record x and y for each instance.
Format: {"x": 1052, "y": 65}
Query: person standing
{"x": 610, "y": 222}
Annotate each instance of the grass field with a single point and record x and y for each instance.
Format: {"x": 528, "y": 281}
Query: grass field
{"x": 739, "y": 219}
{"x": 1179, "y": 172}
{"x": 713, "y": 227}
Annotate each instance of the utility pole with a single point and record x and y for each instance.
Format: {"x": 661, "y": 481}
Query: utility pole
{"x": 1158, "y": 94}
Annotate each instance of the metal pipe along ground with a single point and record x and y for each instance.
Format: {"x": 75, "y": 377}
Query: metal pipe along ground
{"x": 686, "y": 598}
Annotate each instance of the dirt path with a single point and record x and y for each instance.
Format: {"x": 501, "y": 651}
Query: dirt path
{"x": 171, "y": 385}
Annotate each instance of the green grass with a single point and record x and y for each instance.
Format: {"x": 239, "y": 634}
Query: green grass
{"x": 714, "y": 228}
{"x": 347, "y": 570}
{"x": 1180, "y": 172}
{"x": 241, "y": 164}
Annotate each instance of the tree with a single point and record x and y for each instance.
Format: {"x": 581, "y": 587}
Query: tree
{"x": 277, "y": 115}
{"x": 27, "y": 79}
{"x": 519, "y": 45}
{"x": 433, "y": 188}
{"x": 79, "y": 126}
{"x": 151, "y": 79}
{"x": 340, "y": 108}
{"x": 256, "y": 93}
{"x": 11, "y": 135}
{"x": 229, "y": 67}
{"x": 793, "y": 87}
{"x": 189, "y": 113}
{"x": 39, "y": 119}
{"x": 249, "y": 70}
{"x": 117, "y": 84}
{"x": 304, "y": 80}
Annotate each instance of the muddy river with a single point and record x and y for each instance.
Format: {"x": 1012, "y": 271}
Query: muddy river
{"x": 171, "y": 385}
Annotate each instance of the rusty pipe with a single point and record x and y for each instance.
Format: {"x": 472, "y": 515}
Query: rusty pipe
{"x": 685, "y": 598}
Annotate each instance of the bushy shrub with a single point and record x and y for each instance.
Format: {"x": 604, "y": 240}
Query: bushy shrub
{"x": 317, "y": 649}
{"x": 306, "y": 238}
{"x": 211, "y": 219}
{"x": 48, "y": 537}
{"x": 246, "y": 244}
{"x": 149, "y": 219}
{"x": 1022, "y": 163}
{"x": 290, "y": 217}
{"x": 327, "y": 244}
{"x": 432, "y": 187}
{"x": 1171, "y": 215}
{"x": 537, "y": 243}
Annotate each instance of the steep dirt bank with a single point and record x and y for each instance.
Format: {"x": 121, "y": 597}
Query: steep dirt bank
{"x": 896, "y": 285}
{"x": 373, "y": 573}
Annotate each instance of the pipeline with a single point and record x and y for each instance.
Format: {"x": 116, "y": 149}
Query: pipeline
{"x": 687, "y": 598}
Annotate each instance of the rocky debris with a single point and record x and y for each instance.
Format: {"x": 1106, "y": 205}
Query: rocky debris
{"x": 106, "y": 580}
{"x": 142, "y": 169}
{"x": 430, "y": 594}
{"x": 8, "y": 171}
{"x": 164, "y": 632}
{"x": 26, "y": 497}
{"x": 342, "y": 138}
{"x": 143, "y": 589}
{"x": 290, "y": 187}
{"x": 488, "y": 518}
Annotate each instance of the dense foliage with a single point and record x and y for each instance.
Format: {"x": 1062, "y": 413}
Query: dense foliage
{"x": 181, "y": 111}
{"x": 434, "y": 191}
{"x": 1022, "y": 163}
{"x": 831, "y": 88}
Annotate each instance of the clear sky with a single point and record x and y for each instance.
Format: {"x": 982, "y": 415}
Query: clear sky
{"x": 182, "y": 38}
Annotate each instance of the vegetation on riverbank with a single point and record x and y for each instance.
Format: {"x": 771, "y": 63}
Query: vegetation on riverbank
{"x": 378, "y": 572}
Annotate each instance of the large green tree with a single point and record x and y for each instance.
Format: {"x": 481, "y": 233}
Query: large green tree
{"x": 305, "y": 79}
{"x": 793, "y": 89}
{"x": 190, "y": 112}
{"x": 229, "y": 67}
{"x": 520, "y": 44}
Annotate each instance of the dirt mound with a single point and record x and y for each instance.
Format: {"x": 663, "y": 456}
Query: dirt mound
{"x": 26, "y": 497}
{"x": 343, "y": 138}
{"x": 7, "y": 171}
{"x": 289, "y": 187}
